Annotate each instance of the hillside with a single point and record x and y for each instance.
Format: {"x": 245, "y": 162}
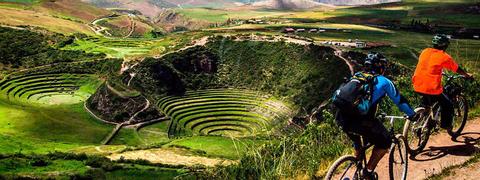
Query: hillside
{"x": 62, "y": 16}
{"x": 211, "y": 89}
{"x": 74, "y": 9}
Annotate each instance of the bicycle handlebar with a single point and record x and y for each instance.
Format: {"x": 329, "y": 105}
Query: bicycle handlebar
{"x": 392, "y": 118}
{"x": 453, "y": 76}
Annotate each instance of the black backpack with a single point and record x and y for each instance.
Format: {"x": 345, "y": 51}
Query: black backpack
{"x": 355, "y": 95}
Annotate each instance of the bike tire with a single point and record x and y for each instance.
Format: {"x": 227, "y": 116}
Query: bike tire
{"x": 409, "y": 136}
{"x": 455, "y": 132}
{"x": 398, "y": 157}
{"x": 348, "y": 160}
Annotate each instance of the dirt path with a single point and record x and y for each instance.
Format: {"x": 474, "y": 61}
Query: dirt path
{"x": 132, "y": 25}
{"x": 172, "y": 156}
{"x": 440, "y": 152}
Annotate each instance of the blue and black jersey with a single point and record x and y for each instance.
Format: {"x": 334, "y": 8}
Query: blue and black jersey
{"x": 383, "y": 86}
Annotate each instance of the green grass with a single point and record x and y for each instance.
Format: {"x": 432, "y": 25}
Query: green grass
{"x": 20, "y": 166}
{"x": 70, "y": 166}
{"x": 195, "y": 111}
{"x": 134, "y": 47}
{"x": 402, "y": 12}
{"x": 128, "y": 137}
{"x": 30, "y": 88}
{"x": 21, "y": 1}
{"x": 44, "y": 129}
{"x": 216, "y": 146}
{"x": 146, "y": 173}
{"x": 218, "y": 15}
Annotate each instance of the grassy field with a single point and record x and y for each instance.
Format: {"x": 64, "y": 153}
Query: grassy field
{"x": 60, "y": 123}
{"x": 438, "y": 12}
{"x": 217, "y": 146}
{"x": 51, "y": 124}
{"x": 134, "y": 47}
{"x": 45, "y": 129}
{"x": 72, "y": 9}
{"x": 16, "y": 17}
{"x": 218, "y": 15}
{"x": 21, "y": 1}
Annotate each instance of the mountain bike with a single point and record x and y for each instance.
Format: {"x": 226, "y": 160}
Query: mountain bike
{"x": 348, "y": 167}
{"x": 417, "y": 133}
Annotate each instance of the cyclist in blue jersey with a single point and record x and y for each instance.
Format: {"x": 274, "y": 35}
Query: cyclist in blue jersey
{"x": 355, "y": 124}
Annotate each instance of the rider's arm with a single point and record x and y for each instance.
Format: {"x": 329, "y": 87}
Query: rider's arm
{"x": 463, "y": 72}
{"x": 450, "y": 64}
{"x": 395, "y": 96}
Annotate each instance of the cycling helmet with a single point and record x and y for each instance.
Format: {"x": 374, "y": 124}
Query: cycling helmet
{"x": 440, "y": 40}
{"x": 375, "y": 63}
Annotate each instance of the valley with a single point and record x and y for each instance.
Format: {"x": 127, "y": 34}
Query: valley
{"x": 203, "y": 89}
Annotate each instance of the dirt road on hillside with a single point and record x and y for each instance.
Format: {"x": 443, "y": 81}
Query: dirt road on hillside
{"x": 172, "y": 156}
{"x": 441, "y": 152}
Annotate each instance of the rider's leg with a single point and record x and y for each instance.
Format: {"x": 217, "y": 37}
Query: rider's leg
{"x": 377, "y": 155}
{"x": 427, "y": 100}
{"x": 446, "y": 112}
{"x": 344, "y": 120}
{"x": 379, "y": 136}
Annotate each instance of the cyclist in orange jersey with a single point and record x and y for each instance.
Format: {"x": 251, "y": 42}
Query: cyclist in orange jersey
{"x": 427, "y": 79}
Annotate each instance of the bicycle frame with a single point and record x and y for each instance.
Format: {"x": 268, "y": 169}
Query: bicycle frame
{"x": 434, "y": 110}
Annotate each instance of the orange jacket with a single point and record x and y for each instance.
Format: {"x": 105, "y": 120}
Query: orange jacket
{"x": 427, "y": 78}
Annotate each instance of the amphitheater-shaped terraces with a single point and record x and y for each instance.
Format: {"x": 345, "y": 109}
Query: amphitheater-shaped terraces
{"x": 36, "y": 87}
{"x": 236, "y": 112}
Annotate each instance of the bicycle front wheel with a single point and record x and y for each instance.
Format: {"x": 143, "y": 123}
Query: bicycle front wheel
{"x": 346, "y": 167}
{"x": 460, "y": 116}
{"x": 417, "y": 133}
{"x": 398, "y": 160}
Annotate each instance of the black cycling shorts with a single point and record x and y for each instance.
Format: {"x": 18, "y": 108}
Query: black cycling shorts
{"x": 371, "y": 129}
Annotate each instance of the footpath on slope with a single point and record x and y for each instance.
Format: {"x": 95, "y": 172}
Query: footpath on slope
{"x": 171, "y": 156}
{"x": 441, "y": 152}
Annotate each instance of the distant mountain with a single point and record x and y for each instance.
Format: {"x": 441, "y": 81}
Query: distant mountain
{"x": 148, "y": 8}
{"x": 151, "y": 8}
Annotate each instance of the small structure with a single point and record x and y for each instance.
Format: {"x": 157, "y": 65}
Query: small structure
{"x": 360, "y": 44}
{"x": 288, "y": 30}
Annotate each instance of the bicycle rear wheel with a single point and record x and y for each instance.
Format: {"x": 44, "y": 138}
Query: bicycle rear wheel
{"x": 460, "y": 116}
{"x": 398, "y": 160}
{"x": 417, "y": 133}
{"x": 346, "y": 167}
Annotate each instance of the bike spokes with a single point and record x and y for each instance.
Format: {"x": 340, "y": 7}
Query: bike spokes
{"x": 398, "y": 161}
{"x": 460, "y": 116}
{"x": 417, "y": 133}
{"x": 347, "y": 171}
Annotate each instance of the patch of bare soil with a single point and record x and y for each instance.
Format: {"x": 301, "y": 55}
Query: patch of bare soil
{"x": 441, "y": 152}
{"x": 172, "y": 156}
